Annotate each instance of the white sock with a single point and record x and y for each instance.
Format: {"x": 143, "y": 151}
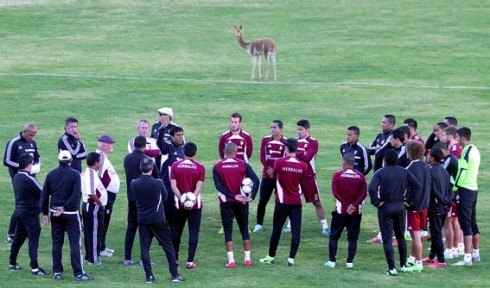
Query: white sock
{"x": 449, "y": 251}
{"x": 476, "y": 252}
{"x": 231, "y": 259}
{"x": 467, "y": 257}
{"x": 379, "y": 235}
{"x": 247, "y": 255}
{"x": 289, "y": 224}
{"x": 411, "y": 259}
{"x": 324, "y": 223}
{"x": 455, "y": 250}
{"x": 418, "y": 263}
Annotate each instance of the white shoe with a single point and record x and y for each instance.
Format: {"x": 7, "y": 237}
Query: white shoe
{"x": 448, "y": 256}
{"x": 106, "y": 253}
{"x": 424, "y": 234}
{"x": 258, "y": 228}
{"x": 349, "y": 265}
{"x": 109, "y": 250}
{"x": 330, "y": 264}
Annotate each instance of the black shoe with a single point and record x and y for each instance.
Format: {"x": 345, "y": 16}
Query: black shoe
{"x": 177, "y": 279}
{"x": 14, "y": 267}
{"x": 58, "y": 276}
{"x": 150, "y": 279}
{"x": 39, "y": 272}
{"x": 83, "y": 277}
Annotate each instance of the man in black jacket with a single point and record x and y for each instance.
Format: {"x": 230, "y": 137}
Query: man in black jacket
{"x": 27, "y": 208}
{"x": 150, "y": 194}
{"x": 60, "y": 198}
{"x": 386, "y": 190}
{"x": 72, "y": 142}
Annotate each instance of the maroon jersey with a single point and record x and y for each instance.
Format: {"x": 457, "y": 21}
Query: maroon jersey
{"x": 187, "y": 173}
{"x": 270, "y": 151}
{"x": 288, "y": 172}
{"x": 349, "y": 187}
{"x": 418, "y": 138}
{"x": 243, "y": 141}
{"x": 456, "y": 150}
{"x": 307, "y": 149}
{"x": 230, "y": 172}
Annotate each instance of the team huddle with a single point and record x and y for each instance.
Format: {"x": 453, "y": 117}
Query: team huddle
{"x": 164, "y": 183}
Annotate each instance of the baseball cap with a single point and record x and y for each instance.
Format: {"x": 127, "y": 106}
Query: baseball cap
{"x": 139, "y": 142}
{"x": 166, "y": 110}
{"x": 64, "y": 155}
{"x": 104, "y": 138}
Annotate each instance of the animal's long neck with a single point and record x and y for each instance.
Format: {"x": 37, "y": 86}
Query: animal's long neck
{"x": 242, "y": 42}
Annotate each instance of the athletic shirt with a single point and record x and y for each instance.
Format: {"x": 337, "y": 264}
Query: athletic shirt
{"x": 349, "y": 187}
{"x": 468, "y": 166}
{"x": 456, "y": 150}
{"x": 229, "y": 172}
{"x": 91, "y": 185}
{"x": 243, "y": 141}
{"x": 270, "y": 151}
{"x": 187, "y": 173}
{"x": 108, "y": 174}
{"x": 307, "y": 149}
{"x": 288, "y": 172}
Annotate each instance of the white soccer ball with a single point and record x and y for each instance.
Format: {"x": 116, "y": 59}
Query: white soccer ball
{"x": 246, "y": 189}
{"x": 247, "y": 182}
{"x": 188, "y": 199}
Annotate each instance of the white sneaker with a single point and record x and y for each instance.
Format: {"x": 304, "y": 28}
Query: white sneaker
{"x": 448, "y": 256}
{"x": 330, "y": 264}
{"x": 349, "y": 265}
{"x": 109, "y": 250}
{"x": 106, "y": 253}
{"x": 424, "y": 234}
{"x": 258, "y": 228}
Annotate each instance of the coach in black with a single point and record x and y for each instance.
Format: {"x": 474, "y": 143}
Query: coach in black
{"x": 27, "y": 208}
{"x": 133, "y": 171}
{"x": 72, "y": 142}
{"x": 60, "y": 198}
{"x": 150, "y": 194}
{"x": 386, "y": 190}
{"x": 21, "y": 144}
{"x": 363, "y": 161}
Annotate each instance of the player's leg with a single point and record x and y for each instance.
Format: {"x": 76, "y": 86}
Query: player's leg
{"x": 337, "y": 226}
{"x": 19, "y": 238}
{"x": 162, "y": 232}
{"x": 295, "y": 216}
{"x": 145, "y": 243}
{"x": 131, "y": 229}
{"x": 194, "y": 223}
{"x": 241, "y": 215}
{"x": 353, "y": 230}
{"x": 267, "y": 186}
{"x": 399, "y": 215}
{"x": 73, "y": 228}
{"x": 227, "y": 217}
{"x": 33, "y": 228}
{"x": 180, "y": 219}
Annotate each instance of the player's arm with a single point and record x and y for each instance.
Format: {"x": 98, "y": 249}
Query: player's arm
{"x": 373, "y": 189}
{"x": 307, "y": 156}
{"x": 335, "y": 191}
{"x": 262, "y": 153}
{"x": 221, "y": 147}
{"x": 175, "y": 189}
{"x": 250, "y": 147}
{"x": 255, "y": 179}
{"x": 362, "y": 195}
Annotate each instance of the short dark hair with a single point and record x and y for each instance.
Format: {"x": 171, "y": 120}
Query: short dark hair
{"x": 436, "y": 154}
{"x": 303, "y": 123}
{"x": 390, "y": 157}
{"x": 412, "y": 123}
{"x": 236, "y": 115}
{"x": 406, "y": 130}
{"x": 442, "y": 125}
{"x": 278, "y": 122}
{"x": 146, "y": 164}
{"x": 190, "y": 149}
{"x": 25, "y": 160}
{"x": 355, "y": 129}
{"x": 230, "y": 148}
{"x": 465, "y": 132}
{"x": 440, "y": 145}
{"x": 92, "y": 158}
{"x": 398, "y": 134}
{"x": 451, "y": 120}
{"x": 291, "y": 144}
{"x": 349, "y": 158}
{"x": 174, "y": 130}
{"x": 69, "y": 120}
{"x": 391, "y": 118}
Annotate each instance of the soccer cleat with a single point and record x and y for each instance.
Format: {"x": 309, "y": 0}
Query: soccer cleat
{"x": 150, "y": 279}
{"x": 14, "y": 267}
{"x": 96, "y": 263}
{"x": 349, "y": 265}
{"x": 83, "y": 277}
{"x": 437, "y": 265}
{"x": 39, "y": 272}
{"x": 267, "y": 260}
{"x": 127, "y": 262}
{"x": 106, "y": 253}
{"x": 330, "y": 264}
{"x": 290, "y": 262}
{"x": 391, "y": 272}
{"x": 58, "y": 276}
{"x": 258, "y": 228}
{"x": 178, "y": 279}
{"x": 417, "y": 268}
{"x": 475, "y": 258}
{"x": 408, "y": 237}
{"x": 247, "y": 263}
{"x": 190, "y": 265}
{"x": 221, "y": 230}
{"x": 406, "y": 269}
{"x": 9, "y": 238}
{"x": 375, "y": 240}
{"x": 463, "y": 263}
{"x": 231, "y": 265}
{"x": 449, "y": 256}
{"x": 326, "y": 232}
{"x": 428, "y": 260}
{"x": 108, "y": 250}
{"x": 286, "y": 229}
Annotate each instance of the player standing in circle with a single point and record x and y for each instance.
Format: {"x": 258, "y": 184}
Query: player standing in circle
{"x": 271, "y": 149}
{"x": 241, "y": 138}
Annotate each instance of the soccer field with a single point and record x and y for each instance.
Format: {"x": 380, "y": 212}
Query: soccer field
{"x": 340, "y": 63}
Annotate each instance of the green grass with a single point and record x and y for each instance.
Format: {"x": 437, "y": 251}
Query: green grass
{"x": 340, "y": 63}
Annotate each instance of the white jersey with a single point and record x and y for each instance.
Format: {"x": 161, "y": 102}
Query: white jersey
{"x": 91, "y": 185}
{"x": 107, "y": 174}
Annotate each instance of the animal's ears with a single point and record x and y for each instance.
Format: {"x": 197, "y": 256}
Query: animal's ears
{"x": 239, "y": 28}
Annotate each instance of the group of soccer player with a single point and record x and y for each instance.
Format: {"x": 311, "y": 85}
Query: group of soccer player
{"x": 288, "y": 172}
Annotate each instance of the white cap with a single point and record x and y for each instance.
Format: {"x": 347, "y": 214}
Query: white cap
{"x": 64, "y": 155}
{"x": 166, "y": 110}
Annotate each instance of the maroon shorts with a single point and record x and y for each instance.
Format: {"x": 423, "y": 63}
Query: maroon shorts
{"x": 453, "y": 211}
{"x": 310, "y": 190}
{"x": 416, "y": 220}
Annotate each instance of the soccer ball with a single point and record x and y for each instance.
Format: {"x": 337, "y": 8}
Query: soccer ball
{"x": 188, "y": 199}
{"x": 247, "y": 185}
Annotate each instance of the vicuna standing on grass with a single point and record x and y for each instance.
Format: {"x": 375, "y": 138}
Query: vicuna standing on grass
{"x": 257, "y": 48}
